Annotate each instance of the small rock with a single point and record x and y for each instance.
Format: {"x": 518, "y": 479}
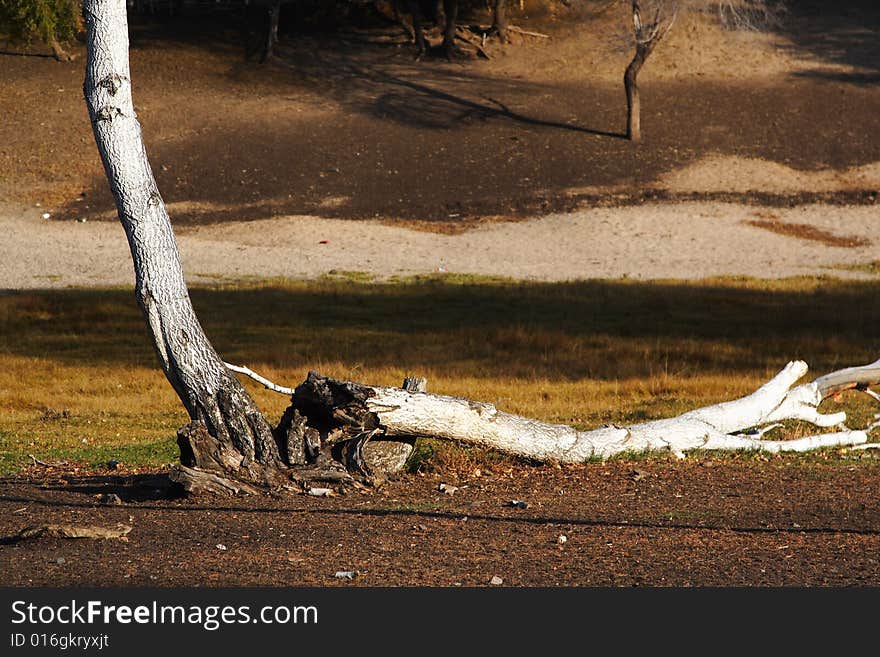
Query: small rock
{"x": 562, "y": 540}
{"x": 496, "y": 581}
{"x": 110, "y": 498}
{"x": 320, "y": 492}
{"x": 345, "y": 574}
{"x": 220, "y": 546}
{"x": 61, "y": 561}
{"x": 518, "y": 504}
{"x": 45, "y": 215}
{"x": 448, "y": 489}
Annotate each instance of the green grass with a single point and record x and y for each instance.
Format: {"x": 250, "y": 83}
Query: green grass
{"x": 583, "y": 353}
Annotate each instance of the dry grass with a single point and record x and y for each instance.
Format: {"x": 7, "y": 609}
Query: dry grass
{"x": 457, "y": 226}
{"x": 580, "y": 353}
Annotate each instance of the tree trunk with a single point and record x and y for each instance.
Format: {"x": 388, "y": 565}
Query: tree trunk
{"x": 60, "y": 53}
{"x": 272, "y": 32}
{"x": 499, "y": 20}
{"x": 647, "y": 36}
{"x": 418, "y": 23}
{"x": 450, "y": 11}
{"x": 241, "y": 440}
{"x": 633, "y": 100}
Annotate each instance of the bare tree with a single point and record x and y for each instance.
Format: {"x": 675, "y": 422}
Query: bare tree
{"x": 651, "y": 21}
{"x": 335, "y": 430}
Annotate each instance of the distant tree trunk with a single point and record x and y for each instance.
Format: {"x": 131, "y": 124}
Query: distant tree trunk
{"x": 647, "y": 36}
{"x": 60, "y": 53}
{"x": 450, "y": 10}
{"x": 272, "y": 31}
{"x": 499, "y": 20}
{"x": 241, "y": 440}
{"x": 633, "y": 99}
{"x": 418, "y": 23}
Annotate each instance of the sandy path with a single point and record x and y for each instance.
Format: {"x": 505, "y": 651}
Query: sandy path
{"x": 688, "y": 241}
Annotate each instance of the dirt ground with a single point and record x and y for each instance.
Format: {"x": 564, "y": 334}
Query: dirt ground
{"x": 340, "y": 126}
{"x": 656, "y": 523}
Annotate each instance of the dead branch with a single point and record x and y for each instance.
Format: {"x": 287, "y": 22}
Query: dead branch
{"x": 859, "y": 378}
{"x": 98, "y": 532}
{"x": 519, "y": 30}
{"x": 266, "y": 383}
{"x": 469, "y": 38}
{"x": 196, "y": 481}
{"x": 345, "y": 409}
{"x": 45, "y": 464}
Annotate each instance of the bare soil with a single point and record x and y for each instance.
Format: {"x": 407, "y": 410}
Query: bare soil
{"x": 341, "y": 126}
{"x": 658, "y": 523}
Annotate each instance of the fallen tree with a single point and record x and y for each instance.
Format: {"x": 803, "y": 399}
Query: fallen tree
{"x": 337, "y": 431}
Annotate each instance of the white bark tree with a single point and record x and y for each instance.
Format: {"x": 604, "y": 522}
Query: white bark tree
{"x": 335, "y": 429}
{"x": 216, "y": 402}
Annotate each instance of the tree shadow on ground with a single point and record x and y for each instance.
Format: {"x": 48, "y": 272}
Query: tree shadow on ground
{"x": 842, "y": 32}
{"x": 338, "y": 127}
{"x": 559, "y": 331}
{"x": 132, "y": 492}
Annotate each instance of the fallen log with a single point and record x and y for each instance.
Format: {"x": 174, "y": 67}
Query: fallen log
{"x": 395, "y": 413}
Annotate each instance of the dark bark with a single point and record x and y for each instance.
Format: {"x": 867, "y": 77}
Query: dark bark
{"x": 272, "y": 31}
{"x": 633, "y": 99}
{"x": 418, "y": 21}
{"x": 450, "y": 11}
{"x": 499, "y": 20}
{"x": 351, "y": 434}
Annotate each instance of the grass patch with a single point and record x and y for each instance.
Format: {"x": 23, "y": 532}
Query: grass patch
{"x": 585, "y": 353}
